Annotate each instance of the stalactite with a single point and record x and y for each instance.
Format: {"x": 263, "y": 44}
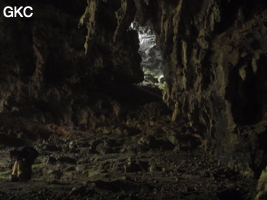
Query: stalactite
{"x": 88, "y": 18}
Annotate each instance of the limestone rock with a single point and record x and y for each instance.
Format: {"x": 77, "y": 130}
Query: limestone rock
{"x": 214, "y": 58}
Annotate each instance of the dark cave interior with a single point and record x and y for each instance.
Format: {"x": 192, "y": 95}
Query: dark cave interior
{"x": 76, "y": 84}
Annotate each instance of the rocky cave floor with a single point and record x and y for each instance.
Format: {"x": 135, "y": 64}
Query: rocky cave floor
{"x": 146, "y": 157}
{"x": 117, "y": 166}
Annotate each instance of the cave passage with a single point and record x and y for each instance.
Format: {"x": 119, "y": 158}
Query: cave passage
{"x": 151, "y": 55}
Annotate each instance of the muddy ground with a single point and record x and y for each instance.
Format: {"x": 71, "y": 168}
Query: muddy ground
{"x": 114, "y": 166}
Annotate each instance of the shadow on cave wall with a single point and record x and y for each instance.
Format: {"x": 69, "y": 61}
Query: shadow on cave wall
{"x": 245, "y": 91}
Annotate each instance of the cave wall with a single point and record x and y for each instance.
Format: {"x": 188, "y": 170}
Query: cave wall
{"x": 48, "y": 83}
{"x": 214, "y": 56}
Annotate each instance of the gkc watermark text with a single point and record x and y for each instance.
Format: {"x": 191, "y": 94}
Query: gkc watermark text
{"x": 15, "y": 11}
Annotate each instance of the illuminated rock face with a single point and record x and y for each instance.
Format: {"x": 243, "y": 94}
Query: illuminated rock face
{"x": 149, "y": 51}
{"x": 213, "y": 53}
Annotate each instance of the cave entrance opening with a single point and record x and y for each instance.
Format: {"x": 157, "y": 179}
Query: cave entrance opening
{"x": 151, "y": 63}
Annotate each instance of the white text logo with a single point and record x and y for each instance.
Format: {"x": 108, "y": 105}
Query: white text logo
{"x": 18, "y": 12}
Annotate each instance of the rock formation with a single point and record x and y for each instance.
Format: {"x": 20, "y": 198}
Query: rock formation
{"x": 214, "y": 65}
{"x": 71, "y": 66}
